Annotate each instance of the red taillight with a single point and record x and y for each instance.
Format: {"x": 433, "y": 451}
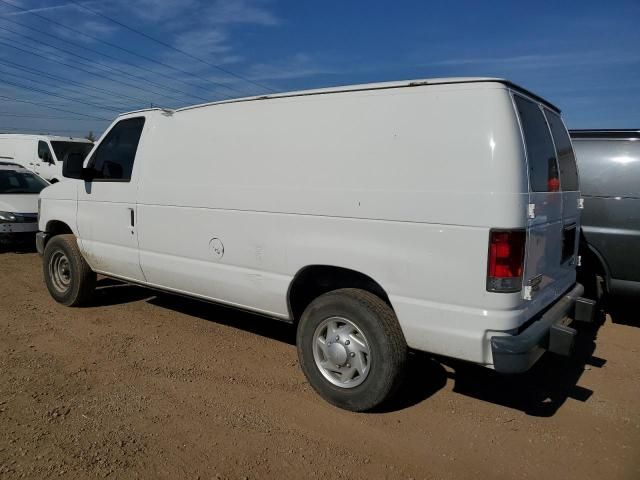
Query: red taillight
{"x": 553, "y": 185}
{"x": 506, "y": 260}
{"x": 553, "y": 182}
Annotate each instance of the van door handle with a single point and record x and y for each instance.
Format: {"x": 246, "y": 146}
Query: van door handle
{"x": 132, "y": 218}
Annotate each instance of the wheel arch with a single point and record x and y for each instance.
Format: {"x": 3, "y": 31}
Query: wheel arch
{"x": 57, "y": 227}
{"x": 595, "y": 260}
{"x": 312, "y": 281}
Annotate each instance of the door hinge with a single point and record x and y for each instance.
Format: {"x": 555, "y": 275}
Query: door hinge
{"x": 534, "y": 286}
{"x": 531, "y": 210}
{"x": 580, "y": 203}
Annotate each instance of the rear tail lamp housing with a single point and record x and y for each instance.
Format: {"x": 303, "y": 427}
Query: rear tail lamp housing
{"x": 505, "y": 263}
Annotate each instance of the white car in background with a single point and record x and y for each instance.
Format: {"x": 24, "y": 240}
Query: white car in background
{"x": 19, "y": 191}
{"x": 43, "y": 154}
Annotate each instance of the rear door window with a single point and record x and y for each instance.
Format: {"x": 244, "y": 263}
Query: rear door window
{"x": 566, "y": 158}
{"x": 541, "y": 154}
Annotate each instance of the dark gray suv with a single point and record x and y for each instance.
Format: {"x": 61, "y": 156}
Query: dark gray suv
{"x": 609, "y": 169}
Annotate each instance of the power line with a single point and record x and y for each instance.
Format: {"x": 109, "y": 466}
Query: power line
{"x": 35, "y": 71}
{"x": 40, "y": 117}
{"x": 46, "y": 92}
{"x": 97, "y": 52}
{"x": 39, "y": 130}
{"x": 103, "y": 66}
{"x": 40, "y": 82}
{"x": 53, "y": 108}
{"x": 167, "y": 45}
{"x": 101, "y": 76}
{"x": 118, "y": 47}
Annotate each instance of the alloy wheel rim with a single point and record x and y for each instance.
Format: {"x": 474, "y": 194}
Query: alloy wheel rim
{"x": 341, "y": 352}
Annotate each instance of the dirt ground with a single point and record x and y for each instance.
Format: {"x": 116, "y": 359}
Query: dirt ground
{"x": 143, "y": 385}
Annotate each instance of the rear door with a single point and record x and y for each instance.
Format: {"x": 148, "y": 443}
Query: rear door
{"x": 552, "y": 217}
{"x": 569, "y": 189}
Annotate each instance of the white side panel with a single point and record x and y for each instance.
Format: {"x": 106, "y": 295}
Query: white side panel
{"x": 431, "y": 272}
{"x": 402, "y": 185}
{"x": 59, "y": 203}
{"x": 386, "y": 155}
{"x": 7, "y": 149}
{"x": 23, "y": 151}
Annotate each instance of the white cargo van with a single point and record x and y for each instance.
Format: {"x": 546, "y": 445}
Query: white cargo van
{"x": 437, "y": 215}
{"x": 43, "y": 154}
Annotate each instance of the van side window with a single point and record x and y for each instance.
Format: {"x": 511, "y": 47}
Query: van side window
{"x": 541, "y": 154}
{"x": 44, "y": 152}
{"x": 113, "y": 159}
{"x": 566, "y": 158}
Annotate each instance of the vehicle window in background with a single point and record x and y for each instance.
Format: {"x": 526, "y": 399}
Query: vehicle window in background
{"x": 541, "y": 155}
{"x": 566, "y": 158}
{"x": 113, "y": 159}
{"x": 14, "y": 181}
{"x": 44, "y": 152}
{"x": 63, "y": 149}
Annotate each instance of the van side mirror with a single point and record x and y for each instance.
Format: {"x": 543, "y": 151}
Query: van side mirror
{"x": 73, "y": 167}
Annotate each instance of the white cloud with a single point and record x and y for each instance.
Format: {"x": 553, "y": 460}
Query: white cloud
{"x": 38, "y": 9}
{"x": 298, "y": 66}
{"x": 157, "y": 10}
{"x": 241, "y": 11}
{"x": 207, "y": 13}
{"x": 203, "y": 41}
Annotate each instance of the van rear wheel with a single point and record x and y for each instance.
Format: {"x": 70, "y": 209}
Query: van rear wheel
{"x": 351, "y": 349}
{"x": 68, "y": 277}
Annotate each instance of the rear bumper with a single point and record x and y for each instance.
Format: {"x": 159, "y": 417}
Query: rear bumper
{"x": 551, "y": 332}
{"x": 41, "y": 240}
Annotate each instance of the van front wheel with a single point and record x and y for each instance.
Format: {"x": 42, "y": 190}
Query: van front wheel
{"x": 351, "y": 349}
{"x": 69, "y": 278}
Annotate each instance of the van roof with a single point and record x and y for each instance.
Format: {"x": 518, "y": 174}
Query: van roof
{"x": 49, "y": 137}
{"x": 367, "y": 86}
{"x": 621, "y": 134}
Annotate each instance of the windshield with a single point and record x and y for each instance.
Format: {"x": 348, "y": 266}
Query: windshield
{"x": 20, "y": 181}
{"x": 63, "y": 149}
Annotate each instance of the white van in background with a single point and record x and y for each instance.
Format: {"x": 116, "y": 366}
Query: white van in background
{"x": 43, "y": 154}
{"x": 438, "y": 215}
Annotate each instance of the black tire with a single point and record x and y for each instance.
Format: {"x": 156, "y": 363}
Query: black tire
{"x": 75, "y": 283}
{"x": 388, "y": 348}
{"x": 591, "y": 276}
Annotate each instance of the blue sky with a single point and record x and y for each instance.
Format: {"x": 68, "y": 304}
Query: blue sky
{"x": 583, "y": 56}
